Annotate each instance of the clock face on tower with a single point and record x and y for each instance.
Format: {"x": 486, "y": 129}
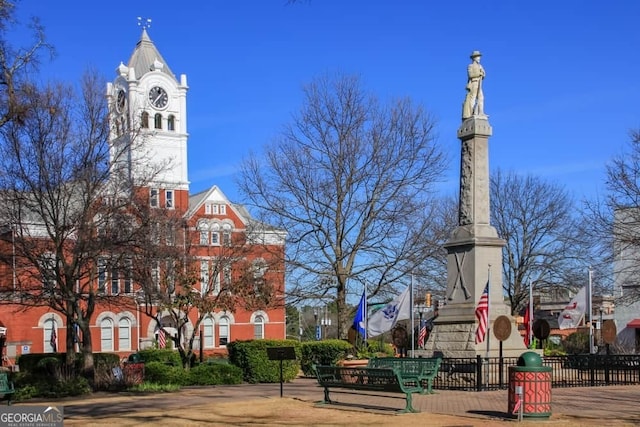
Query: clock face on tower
{"x": 158, "y": 97}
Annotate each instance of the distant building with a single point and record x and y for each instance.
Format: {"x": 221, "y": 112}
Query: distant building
{"x": 626, "y": 271}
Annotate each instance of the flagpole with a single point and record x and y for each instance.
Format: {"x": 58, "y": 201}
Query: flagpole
{"x": 591, "y": 349}
{"x": 530, "y": 325}
{"x": 366, "y": 316}
{"x": 412, "y": 316}
{"x": 488, "y": 336}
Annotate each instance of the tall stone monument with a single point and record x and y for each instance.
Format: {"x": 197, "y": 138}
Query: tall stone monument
{"x": 474, "y": 250}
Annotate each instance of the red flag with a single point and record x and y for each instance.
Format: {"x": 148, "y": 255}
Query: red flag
{"x": 527, "y": 327}
{"x": 482, "y": 315}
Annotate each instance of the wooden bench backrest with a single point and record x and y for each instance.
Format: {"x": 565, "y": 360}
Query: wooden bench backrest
{"x": 378, "y": 379}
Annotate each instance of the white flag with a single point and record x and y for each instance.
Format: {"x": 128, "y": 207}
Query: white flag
{"x": 572, "y": 314}
{"x": 385, "y": 319}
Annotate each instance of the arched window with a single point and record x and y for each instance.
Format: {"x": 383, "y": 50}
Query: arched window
{"x": 223, "y": 331}
{"x": 50, "y": 336}
{"x": 171, "y": 122}
{"x": 258, "y": 328}
{"x": 106, "y": 335}
{"x": 208, "y": 333}
{"x": 124, "y": 335}
{"x": 157, "y": 121}
{"x": 145, "y": 120}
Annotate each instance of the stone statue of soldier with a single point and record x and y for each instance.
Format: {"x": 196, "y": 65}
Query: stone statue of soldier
{"x": 474, "y": 101}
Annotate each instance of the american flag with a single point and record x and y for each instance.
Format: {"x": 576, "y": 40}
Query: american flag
{"x": 482, "y": 314}
{"x": 53, "y": 340}
{"x": 162, "y": 339}
{"x": 422, "y": 335}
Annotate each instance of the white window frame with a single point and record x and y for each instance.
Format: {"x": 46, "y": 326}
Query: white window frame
{"x": 127, "y": 280}
{"x": 102, "y": 275}
{"x": 204, "y": 237}
{"x": 215, "y": 238}
{"x": 155, "y": 273}
{"x": 106, "y": 334}
{"x": 124, "y": 334}
{"x": 207, "y": 209}
{"x": 50, "y": 325}
{"x": 169, "y": 200}
{"x": 115, "y": 280}
{"x": 223, "y": 209}
{"x": 170, "y": 237}
{"x": 208, "y": 329}
{"x": 224, "y": 334}
{"x": 204, "y": 277}
{"x": 258, "y": 328}
{"x": 154, "y": 197}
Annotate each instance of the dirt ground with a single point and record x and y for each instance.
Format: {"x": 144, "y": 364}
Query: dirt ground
{"x": 293, "y": 412}
{"x": 286, "y": 412}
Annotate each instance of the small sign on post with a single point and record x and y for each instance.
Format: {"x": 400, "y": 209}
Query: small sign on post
{"x": 281, "y": 353}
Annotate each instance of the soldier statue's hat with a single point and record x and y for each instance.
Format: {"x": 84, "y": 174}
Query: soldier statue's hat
{"x": 475, "y": 54}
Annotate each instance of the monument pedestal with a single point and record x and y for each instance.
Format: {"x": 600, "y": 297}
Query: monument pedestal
{"x": 474, "y": 260}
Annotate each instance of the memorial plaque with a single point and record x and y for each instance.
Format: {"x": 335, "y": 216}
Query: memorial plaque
{"x": 502, "y": 328}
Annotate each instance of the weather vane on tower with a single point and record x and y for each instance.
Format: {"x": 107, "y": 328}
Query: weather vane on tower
{"x": 144, "y": 22}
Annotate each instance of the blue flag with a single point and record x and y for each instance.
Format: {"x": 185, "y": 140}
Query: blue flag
{"x": 359, "y": 321}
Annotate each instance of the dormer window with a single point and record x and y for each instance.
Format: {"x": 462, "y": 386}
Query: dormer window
{"x": 157, "y": 121}
{"x": 171, "y": 122}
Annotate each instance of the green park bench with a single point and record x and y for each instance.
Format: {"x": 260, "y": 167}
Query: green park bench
{"x": 6, "y": 387}
{"x": 424, "y": 368}
{"x": 368, "y": 379}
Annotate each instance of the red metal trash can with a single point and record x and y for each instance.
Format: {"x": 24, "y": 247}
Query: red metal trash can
{"x": 534, "y": 382}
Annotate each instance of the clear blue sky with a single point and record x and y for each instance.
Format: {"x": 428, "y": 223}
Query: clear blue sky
{"x": 562, "y": 85}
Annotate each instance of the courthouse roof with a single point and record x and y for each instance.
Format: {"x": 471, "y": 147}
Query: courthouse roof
{"x": 145, "y": 56}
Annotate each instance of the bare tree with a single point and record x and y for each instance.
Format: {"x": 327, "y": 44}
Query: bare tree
{"x": 544, "y": 244}
{"x": 55, "y": 164}
{"x": 178, "y": 293}
{"x": 16, "y": 64}
{"x": 350, "y": 179}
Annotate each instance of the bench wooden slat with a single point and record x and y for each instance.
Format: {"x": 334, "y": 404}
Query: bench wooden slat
{"x": 425, "y": 368}
{"x": 371, "y": 379}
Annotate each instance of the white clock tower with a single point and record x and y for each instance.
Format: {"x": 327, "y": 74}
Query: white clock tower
{"x": 148, "y": 112}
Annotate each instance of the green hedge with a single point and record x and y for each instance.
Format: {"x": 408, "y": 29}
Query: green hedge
{"x": 168, "y": 356}
{"x": 161, "y": 373}
{"x": 215, "y": 374}
{"x": 251, "y": 357}
{"x": 204, "y": 374}
{"x": 327, "y": 352}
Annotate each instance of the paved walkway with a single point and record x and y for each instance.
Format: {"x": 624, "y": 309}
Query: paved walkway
{"x": 607, "y": 404}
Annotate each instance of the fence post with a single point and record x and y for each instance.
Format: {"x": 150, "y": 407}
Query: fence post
{"x": 478, "y": 372}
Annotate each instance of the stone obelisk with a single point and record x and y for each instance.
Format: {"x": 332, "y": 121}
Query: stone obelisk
{"x": 474, "y": 250}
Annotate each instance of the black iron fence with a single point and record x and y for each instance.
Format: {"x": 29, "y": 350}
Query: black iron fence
{"x": 479, "y": 373}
